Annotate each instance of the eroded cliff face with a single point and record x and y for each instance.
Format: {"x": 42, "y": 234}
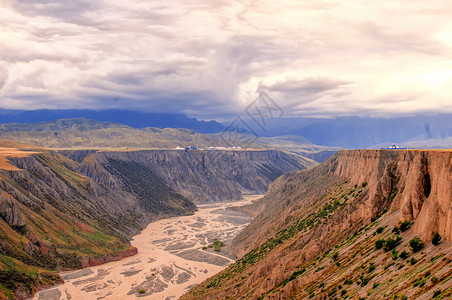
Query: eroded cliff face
{"x": 201, "y": 176}
{"x": 52, "y": 217}
{"x": 316, "y": 229}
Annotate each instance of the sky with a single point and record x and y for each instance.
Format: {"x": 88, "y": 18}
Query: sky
{"x": 212, "y": 58}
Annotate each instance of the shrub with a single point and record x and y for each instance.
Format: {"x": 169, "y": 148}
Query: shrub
{"x": 396, "y": 230}
{"x": 204, "y": 248}
{"x": 413, "y": 261}
{"x": 436, "y": 293}
{"x": 364, "y": 184}
{"x": 395, "y": 255}
{"x": 343, "y": 293}
{"x": 436, "y": 239}
{"x": 379, "y": 244}
{"x": 405, "y": 225}
{"x": 371, "y": 268}
{"x": 403, "y": 255}
{"x": 416, "y": 244}
{"x": 380, "y": 229}
{"x": 376, "y": 284}
{"x": 142, "y": 291}
{"x": 338, "y": 264}
{"x": 434, "y": 279}
{"x": 348, "y": 281}
{"x": 391, "y": 243}
{"x": 335, "y": 256}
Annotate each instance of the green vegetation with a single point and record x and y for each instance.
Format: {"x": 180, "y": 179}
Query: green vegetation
{"x": 141, "y": 291}
{"x": 436, "y": 239}
{"x": 396, "y": 230}
{"x": 416, "y": 244}
{"x": 436, "y": 293}
{"x": 379, "y": 244}
{"x": 380, "y": 230}
{"x": 405, "y": 225}
{"x": 403, "y": 254}
{"x": 216, "y": 245}
{"x": 391, "y": 243}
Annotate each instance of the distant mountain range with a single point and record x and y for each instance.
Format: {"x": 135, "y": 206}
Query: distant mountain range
{"x": 346, "y": 132}
{"x": 90, "y": 134}
{"x": 366, "y": 132}
{"x": 130, "y": 118}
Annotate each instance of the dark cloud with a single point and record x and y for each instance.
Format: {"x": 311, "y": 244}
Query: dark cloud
{"x": 210, "y": 58}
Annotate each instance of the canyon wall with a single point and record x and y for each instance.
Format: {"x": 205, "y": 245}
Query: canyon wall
{"x": 201, "y": 176}
{"x": 316, "y": 229}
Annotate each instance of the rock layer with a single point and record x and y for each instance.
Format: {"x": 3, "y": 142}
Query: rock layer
{"x": 306, "y": 217}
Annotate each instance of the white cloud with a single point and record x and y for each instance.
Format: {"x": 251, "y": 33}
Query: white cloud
{"x": 208, "y": 58}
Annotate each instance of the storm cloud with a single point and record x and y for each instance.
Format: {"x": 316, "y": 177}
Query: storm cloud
{"x": 210, "y": 59}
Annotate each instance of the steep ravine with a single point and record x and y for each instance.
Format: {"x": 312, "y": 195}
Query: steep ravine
{"x": 201, "y": 176}
{"x": 317, "y": 233}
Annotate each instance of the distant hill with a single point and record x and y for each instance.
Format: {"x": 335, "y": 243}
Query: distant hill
{"x": 91, "y": 134}
{"x": 131, "y": 118}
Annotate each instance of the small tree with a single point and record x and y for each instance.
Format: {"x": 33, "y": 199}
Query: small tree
{"x": 436, "y": 239}
{"x": 416, "y": 244}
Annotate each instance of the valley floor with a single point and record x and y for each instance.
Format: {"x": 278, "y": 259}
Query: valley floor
{"x": 173, "y": 255}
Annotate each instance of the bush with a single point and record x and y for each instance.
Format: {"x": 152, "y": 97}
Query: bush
{"x": 335, "y": 256}
{"x": 204, "y": 248}
{"x": 405, "y": 225}
{"x": 371, "y": 268}
{"x": 380, "y": 229}
{"x": 434, "y": 279}
{"x": 379, "y": 244}
{"x": 403, "y": 255}
{"x": 395, "y": 255}
{"x": 142, "y": 291}
{"x": 391, "y": 243}
{"x": 416, "y": 244}
{"x": 364, "y": 184}
{"x": 436, "y": 239}
{"x": 436, "y": 293}
{"x": 396, "y": 230}
{"x": 413, "y": 261}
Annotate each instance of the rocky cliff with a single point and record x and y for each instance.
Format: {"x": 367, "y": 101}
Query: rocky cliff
{"x": 358, "y": 226}
{"x": 52, "y": 217}
{"x": 201, "y": 176}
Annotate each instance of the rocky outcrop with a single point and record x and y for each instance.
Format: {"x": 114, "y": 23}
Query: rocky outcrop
{"x": 335, "y": 208}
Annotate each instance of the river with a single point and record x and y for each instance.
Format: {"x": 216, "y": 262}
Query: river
{"x": 173, "y": 255}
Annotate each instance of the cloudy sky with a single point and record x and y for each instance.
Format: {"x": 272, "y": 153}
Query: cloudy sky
{"x": 210, "y": 58}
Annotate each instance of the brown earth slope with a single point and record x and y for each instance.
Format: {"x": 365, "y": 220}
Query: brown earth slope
{"x": 53, "y": 218}
{"x": 201, "y": 176}
{"x": 352, "y": 228}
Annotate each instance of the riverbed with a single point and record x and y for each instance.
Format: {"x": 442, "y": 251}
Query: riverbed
{"x": 173, "y": 255}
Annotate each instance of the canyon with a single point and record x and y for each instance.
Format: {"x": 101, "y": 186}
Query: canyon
{"x": 63, "y": 210}
{"x": 359, "y": 226}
